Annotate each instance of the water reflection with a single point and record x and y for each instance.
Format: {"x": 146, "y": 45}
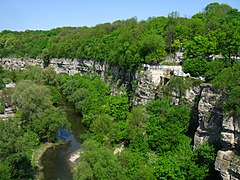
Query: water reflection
{"x": 55, "y": 160}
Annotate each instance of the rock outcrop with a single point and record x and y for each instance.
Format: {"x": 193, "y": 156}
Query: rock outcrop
{"x": 215, "y": 126}
{"x": 16, "y": 63}
{"x": 148, "y": 81}
{"x": 228, "y": 164}
{"x": 210, "y": 116}
{"x": 151, "y": 80}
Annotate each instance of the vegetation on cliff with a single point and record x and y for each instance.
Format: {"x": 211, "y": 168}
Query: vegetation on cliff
{"x": 154, "y": 137}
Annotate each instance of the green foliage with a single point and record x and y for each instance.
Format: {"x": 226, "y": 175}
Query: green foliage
{"x": 47, "y": 123}
{"x": 8, "y": 76}
{"x": 152, "y": 48}
{"x": 15, "y": 150}
{"x": 136, "y": 128}
{"x": 179, "y": 85}
{"x": 228, "y": 78}
{"x": 155, "y": 144}
{"x": 135, "y": 166}
{"x": 214, "y": 67}
{"x": 37, "y": 111}
{"x": 117, "y": 106}
{"x": 183, "y": 163}
{"x": 55, "y": 94}
{"x": 195, "y": 67}
{"x": 5, "y": 171}
{"x": 228, "y": 82}
{"x": 49, "y": 76}
{"x": 97, "y": 162}
{"x": 2, "y": 85}
{"x": 32, "y": 73}
{"x": 166, "y": 125}
{"x": 128, "y": 43}
{"x": 232, "y": 105}
{"x": 101, "y": 127}
{"x": 2, "y": 106}
{"x": 31, "y": 98}
{"x": 205, "y": 155}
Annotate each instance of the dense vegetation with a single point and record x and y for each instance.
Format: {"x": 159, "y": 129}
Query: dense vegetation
{"x": 154, "y": 137}
{"x": 128, "y": 43}
{"x": 36, "y": 121}
{"x": 156, "y": 145}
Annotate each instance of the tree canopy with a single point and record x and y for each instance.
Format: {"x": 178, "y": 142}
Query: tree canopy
{"x": 127, "y": 43}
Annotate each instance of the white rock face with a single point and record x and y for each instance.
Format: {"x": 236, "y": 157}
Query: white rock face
{"x": 228, "y": 164}
{"x": 118, "y": 150}
{"x": 215, "y": 126}
{"x": 148, "y": 81}
{"x": 15, "y": 63}
{"x": 154, "y": 78}
{"x": 210, "y": 117}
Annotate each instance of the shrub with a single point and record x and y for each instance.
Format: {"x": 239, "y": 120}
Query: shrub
{"x": 196, "y": 67}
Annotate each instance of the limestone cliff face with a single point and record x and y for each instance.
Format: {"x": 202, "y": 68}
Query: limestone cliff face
{"x": 16, "y": 63}
{"x": 69, "y": 66}
{"x": 228, "y": 159}
{"x": 228, "y": 164}
{"x": 151, "y": 80}
{"x": 210, "y": 116}
{"x": 216, "y": 126}
{"x": 148, "y": 82}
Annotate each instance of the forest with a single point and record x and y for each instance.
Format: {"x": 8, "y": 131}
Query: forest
{"x": 128, "y": 43}
{"x": 155, "y": 136}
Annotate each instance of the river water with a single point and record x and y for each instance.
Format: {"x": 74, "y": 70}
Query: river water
{"x": 55, "y": 160}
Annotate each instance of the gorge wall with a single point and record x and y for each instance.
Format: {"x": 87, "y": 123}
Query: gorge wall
{"x": 214, "y": 125}
{"x": 147, "y": 80}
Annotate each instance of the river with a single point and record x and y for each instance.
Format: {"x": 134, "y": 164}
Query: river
{"x": 55, "y": 160}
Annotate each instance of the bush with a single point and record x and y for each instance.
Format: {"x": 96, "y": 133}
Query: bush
{"x": 196, "y": 67}
{"x": 233, "y": 102}
{"x": 214, "y": 68}
{"x": 2, "y": 106}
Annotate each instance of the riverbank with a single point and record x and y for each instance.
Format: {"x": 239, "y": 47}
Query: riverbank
{"x": 38, "y": 153}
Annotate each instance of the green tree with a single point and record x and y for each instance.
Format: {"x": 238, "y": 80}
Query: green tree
{"x": 101, "y": 127}
{"x": 214, "y": 68}
{"x": 166, "y": 126}
{"x": 15, "y": 151}
{"x": 196, "y": 67}
{"x": 95, "y": 165}
{"x": 37, "y": 111}
{"x": 136, "y": 128}
{"x": 152, "y": 48}
{"x": 49, "y": 76}
{"x": 232, "y": 104}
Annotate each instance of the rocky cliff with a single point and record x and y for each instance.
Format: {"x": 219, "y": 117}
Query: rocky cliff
{"x": 148, "y": 81}
{"x": 215, "y": 126}
{"x": 152, "y": 79}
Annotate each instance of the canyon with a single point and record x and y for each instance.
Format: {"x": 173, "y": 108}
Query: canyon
{"x": 214, "y": 125}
